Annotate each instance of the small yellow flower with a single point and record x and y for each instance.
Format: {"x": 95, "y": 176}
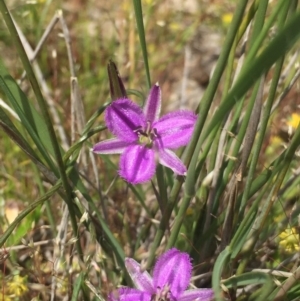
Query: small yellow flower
{"x": 149, "y": 2}
{"x": 17, "y": 286}
{"x": 289, "y": 240}
{"x": 227, "y": 18}
{"x": 190, "y": 211}
{"x": 6, "y": 298}
{"x": 275, "y": 141}
{"x": 294, "y": 121}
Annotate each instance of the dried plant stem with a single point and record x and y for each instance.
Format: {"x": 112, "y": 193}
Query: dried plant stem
{"x": 59, "y": 248}
{"x": 5, "y": 106}
{"x": 294, "y": 278}
{"x": 44, "y": 86}
{"x": 27, "y": 246}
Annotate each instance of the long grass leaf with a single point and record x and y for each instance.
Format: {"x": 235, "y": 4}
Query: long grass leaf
{"x": 141, "y": 31}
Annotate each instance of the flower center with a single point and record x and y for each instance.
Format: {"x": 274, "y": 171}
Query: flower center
{"x": 146, "y": 136}
{"x": 145, "y": 139}
{"x": 162, "y": 294}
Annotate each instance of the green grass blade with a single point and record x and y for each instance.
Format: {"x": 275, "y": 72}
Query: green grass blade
{"x": 77, "y": 286}
{"x": 253, "y": 278}
{"x": 26, "y": 211}
{"x": 217, "y": 272}
{"x": 141, "y": 31}
{"x": 246, "y": 279}
{"x": 9, "y": 128}
{"x": 29, "y": 116}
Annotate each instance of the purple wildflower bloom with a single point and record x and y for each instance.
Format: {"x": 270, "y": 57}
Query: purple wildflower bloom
{"x": 142, "y": 137}
{"x": 171, "y": 277}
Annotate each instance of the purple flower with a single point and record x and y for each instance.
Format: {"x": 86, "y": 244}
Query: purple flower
{"x": 142, "y": 137}
{"x": 171, "y": 277}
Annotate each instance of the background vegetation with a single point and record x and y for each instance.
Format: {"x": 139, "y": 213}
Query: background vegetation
{"x": 67, "y": 221}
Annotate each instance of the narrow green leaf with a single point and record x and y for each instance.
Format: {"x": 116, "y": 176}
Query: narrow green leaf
{"x": 217, "y": 272}
{"x": 30, "y": 118}
{"x": 141, "y": 31}
{"x": 246, "y": 279}
{"x": 252, "y": 278}
{"x": 9, "y": 128}
{"x": 23, "y": 228}
{"x": 77, "y": 286}
{"x": 241, "y": 235}
{"x": 26, "y": 211}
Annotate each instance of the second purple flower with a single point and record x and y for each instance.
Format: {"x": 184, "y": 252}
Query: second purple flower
{"x": 143, "y": 138}
{"x": 171, "y": 278}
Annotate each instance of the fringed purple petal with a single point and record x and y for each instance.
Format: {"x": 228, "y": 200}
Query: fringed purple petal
{"x": 110, "y": 146}
{"x": 129, "y": 294}
{"x": 201, "y": 294}
{"x": 123, "y": 118}
{"x": 169, "y": 159}
{"x": 175, "y": 129}
{"x": 153, "y": 104}
{"x": 173, "y": 268}
{"x": 141, "y": 279}
{"x": 137, "y": 164}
